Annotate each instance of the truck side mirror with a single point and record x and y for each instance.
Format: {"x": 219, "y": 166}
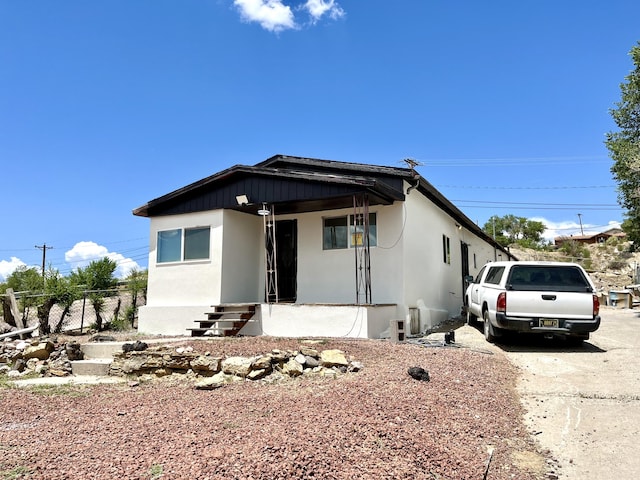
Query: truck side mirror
{"x": 468, "y": 278}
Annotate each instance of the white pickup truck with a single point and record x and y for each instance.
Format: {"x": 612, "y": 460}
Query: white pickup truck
{"x": 549, "y": 298}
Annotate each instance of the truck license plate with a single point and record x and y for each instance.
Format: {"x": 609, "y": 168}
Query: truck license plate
{"x": 549, "y": 322}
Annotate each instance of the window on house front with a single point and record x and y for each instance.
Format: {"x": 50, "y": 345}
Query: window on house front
{"x": 183, "y": 244}
{"x": 196, "y": 243}
{"x": 169, "y": 245}
{"x": 336, "y": 235}
{"x": 446, "y": 249}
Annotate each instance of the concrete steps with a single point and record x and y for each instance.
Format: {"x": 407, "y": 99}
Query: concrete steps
{"x": 98, "y": 358}
{"x": 97, "y": 367}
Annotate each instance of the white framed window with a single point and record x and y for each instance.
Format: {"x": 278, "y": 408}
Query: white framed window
{"x": 179, "y": 244}
{"x": 347, "y": 231}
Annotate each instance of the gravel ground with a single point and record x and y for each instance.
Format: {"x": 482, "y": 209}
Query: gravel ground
{"x": 375, "y": 424}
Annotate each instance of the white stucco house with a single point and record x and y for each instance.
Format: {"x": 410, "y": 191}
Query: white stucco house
{"x": 305, "y": 247}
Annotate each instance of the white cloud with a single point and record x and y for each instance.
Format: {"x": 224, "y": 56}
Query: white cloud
{"x": 568, "y": 228}
{"x": 83, "y": 253}
{"x": 318, "y": 8}
{"x": 272, "y": 15}
{"x": 276, "y": 16}
{"x": 8, "y": 267}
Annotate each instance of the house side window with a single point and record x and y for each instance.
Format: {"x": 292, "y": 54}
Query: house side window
{"x": 446, "y": 249}
{"x": 347, "y": 232}
{"x": 183, "y": 244}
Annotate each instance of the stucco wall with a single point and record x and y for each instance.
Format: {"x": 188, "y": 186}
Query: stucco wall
{"x": 431, "y": 285}
{"x": 243, "y": 261}
{"x": 352, "y": 321}
{"x": 328, "y": 276}
{"x": 186, "y": 283}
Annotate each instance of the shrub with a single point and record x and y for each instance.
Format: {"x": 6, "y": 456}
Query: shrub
{"x": 617, "y": 265}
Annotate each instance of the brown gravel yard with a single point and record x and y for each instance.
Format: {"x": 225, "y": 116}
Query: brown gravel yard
{"x": 378, "y": 423}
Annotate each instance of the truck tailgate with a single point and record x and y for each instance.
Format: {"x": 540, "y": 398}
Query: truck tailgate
{"x": 532, "y": 304}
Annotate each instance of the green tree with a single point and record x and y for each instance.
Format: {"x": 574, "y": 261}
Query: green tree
{"x": 57, "y": 290}
{"x": 98, "y": 279}
{"x": 510, "y": 229}
{"x": 136, "y": 286}
{"x": 624, "y": 147}
{"x": 28, "y": 280}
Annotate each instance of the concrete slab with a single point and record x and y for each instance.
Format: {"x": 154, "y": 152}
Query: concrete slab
{"x": 94, "y": 350}
{"x": 95, "y": 366}
{"x": 70, "y": 380}
{"x": 101, "y": 349}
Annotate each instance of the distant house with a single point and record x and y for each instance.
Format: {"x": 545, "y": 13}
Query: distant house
{"x": 305, "y": 247}
{"x": 591, "y": 238}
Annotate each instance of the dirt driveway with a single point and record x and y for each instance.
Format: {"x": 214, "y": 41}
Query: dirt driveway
{"x": 583, "y": 403}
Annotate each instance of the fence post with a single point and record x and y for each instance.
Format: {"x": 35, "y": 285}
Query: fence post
{"x": 84, "y": 301}
{"x": 13, "y": 306}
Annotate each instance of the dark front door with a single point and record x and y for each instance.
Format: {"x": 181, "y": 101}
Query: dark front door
{"x": 464, "y": 250}
{"x": 286, "y": 260}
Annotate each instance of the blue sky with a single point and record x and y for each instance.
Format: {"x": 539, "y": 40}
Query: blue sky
{"x": 105, "y": 105}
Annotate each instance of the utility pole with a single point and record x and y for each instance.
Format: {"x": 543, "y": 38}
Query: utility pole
{"x": 581, "y": 230}
{"x": 44, "y": 249}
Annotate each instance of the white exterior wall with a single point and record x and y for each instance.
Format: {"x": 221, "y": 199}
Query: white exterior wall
{"x": 180, "y": 292}
{"x": 431, "y": 285}
{"x": 353, "y": 321}
{"x": 407, "y": 272}
{"x": 328, "y": 276}
{"x": 243, "y": 260}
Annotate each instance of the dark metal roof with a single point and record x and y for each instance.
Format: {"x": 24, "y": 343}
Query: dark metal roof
{"x": 297, "y": 185}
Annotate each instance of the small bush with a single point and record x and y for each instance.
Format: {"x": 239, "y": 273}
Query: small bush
{"x": 119, "y": 324}
{"x": 572, "y": 248}
{"x": 617, "y": 265}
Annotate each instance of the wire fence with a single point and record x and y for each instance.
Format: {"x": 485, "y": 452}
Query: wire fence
{"x": 81, "y": 314}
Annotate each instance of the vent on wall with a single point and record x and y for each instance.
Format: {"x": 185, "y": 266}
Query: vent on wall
{"x": 414, "y": 320}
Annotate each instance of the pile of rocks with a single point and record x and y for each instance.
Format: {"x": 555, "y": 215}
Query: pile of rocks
{"x": 217, "y": 371}
{"x": 37, "y": 356}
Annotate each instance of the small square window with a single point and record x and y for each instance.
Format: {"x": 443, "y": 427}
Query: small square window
{"x": 336, "y": 234}
{"x": 357, "y": 230}
{"x": 196, "y": 243}
{"x": 169, "y": 245}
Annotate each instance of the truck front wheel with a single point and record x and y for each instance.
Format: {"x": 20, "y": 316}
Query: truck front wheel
{"x": 471, "y": 318}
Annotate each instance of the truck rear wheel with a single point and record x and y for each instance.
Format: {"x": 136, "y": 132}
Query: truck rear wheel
{"x": 489, "y": 332}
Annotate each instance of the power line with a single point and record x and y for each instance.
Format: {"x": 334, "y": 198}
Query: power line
{"x": 542, "y": 203}
{"x": 511, "y": 161}
{"x": 540, "y": 207}
{"x": 487, "y": 187}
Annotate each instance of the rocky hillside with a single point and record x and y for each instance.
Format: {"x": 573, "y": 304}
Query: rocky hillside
{"x": 611, "y": 265}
